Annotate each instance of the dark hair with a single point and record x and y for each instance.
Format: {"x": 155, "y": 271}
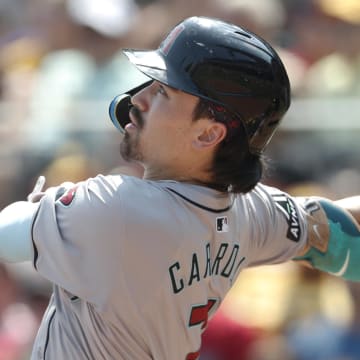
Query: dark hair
{"x": 235, "y": 169}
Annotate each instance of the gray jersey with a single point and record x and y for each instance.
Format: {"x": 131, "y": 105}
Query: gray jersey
{"x": 139, "y": 266}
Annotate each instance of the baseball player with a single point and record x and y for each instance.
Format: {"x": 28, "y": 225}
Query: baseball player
{"x": 139, "y": 266}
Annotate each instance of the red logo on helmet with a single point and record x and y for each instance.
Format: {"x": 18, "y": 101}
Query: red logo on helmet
{"x": 67, "y": 198}
{"x": 170, "y": 39}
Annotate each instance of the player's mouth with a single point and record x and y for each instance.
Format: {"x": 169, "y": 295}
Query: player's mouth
{"x": 136, "y": 118}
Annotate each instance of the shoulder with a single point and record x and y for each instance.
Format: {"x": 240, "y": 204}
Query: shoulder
{"x": 114, "y": 183}
{"x": 126, "y": 189}
{"x": 108, "y": 189}
{"x": 271, "y": 197}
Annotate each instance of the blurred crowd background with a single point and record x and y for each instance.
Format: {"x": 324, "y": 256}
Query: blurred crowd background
{"x": 60, "y": 66}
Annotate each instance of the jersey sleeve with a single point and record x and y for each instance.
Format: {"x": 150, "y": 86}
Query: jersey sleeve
{"x": 75, "y": 230}
{"x": 278, "y": 226}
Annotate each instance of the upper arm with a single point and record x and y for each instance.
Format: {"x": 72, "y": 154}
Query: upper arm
{"x": 277, "y": 226}
{"x": 75, "y": 235}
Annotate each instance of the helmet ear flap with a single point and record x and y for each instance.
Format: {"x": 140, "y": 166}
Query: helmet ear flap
{"x": 119, "y": 111}
{"x": 120, "y": 106}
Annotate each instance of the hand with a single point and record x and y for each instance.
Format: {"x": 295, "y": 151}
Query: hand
{"x": 37, "y": 192}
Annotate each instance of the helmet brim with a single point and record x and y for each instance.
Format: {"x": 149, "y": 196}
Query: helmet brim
{"x": 151, "y": 63}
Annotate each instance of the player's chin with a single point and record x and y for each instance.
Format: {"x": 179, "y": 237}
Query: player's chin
{"x": 125, "y": 147}
{"x": 129, "y": 148}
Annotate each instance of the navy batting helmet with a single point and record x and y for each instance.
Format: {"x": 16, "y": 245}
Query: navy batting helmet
{"x": 220, "y": 62}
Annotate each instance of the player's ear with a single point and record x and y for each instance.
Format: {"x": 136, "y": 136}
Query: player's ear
{"x": 210, "y": 135}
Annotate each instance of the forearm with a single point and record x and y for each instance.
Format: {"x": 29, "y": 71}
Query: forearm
{"x": 334, "y": 237}
{"x": 15, "y": 231}
{"x": 351, "y": 204}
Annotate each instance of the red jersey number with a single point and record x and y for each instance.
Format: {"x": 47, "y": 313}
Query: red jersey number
{"x": 199, "y": 316}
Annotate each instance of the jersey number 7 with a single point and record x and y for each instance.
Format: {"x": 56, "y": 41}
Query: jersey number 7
{"x": 199, "y": 315}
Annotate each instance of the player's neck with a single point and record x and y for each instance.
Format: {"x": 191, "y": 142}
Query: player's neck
{"x": 189, "y": 176}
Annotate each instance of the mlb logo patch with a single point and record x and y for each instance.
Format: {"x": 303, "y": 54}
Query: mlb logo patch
{"x": 222, "y": 224}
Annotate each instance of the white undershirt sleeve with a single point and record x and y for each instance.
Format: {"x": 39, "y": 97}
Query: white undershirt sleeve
{"x": 15, "y": 231}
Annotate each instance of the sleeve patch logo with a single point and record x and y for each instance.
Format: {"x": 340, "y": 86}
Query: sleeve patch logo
{"x": 286, "y": 205}
{"x": 67, "y": 198}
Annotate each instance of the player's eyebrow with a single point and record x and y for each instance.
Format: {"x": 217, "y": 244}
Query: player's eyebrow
{"x": 171, "y": 89}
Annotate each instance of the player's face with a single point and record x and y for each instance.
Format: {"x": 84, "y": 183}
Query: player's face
{"x": 162, "y": 127}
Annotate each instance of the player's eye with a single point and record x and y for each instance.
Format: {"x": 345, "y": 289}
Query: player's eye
{"x": 161, "y": 90}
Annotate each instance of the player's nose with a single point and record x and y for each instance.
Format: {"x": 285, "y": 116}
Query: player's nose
{"x": 142, "y": 99}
